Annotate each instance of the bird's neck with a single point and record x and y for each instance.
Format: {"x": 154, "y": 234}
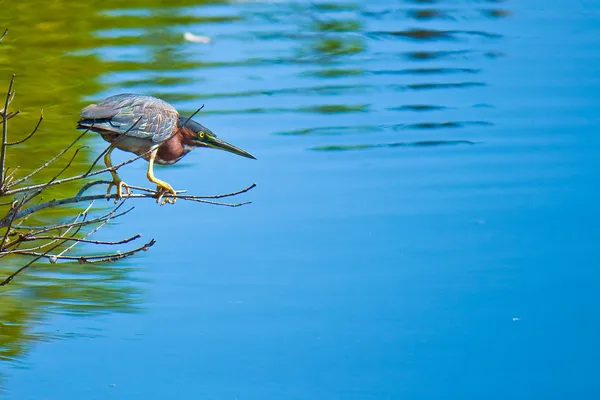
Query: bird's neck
{"x": 176, "y": 147}
{"x": 186, "y": 137}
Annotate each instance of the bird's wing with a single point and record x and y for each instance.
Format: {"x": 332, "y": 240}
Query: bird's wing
{"x": 157, "y": 118}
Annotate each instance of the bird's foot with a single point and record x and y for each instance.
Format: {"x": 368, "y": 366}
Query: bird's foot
{"x": 122, "y": 188}
{"x": 166, "y": 193}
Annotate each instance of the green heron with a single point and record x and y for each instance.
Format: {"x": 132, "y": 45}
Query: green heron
{"x": 148, "y": 126}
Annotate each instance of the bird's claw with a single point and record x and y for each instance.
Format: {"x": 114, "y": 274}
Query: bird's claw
{"x": 167, "y": 194}
{"x": 120, "y": 185}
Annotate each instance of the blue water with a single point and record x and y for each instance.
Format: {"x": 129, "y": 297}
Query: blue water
{"x": 439, "y": 253}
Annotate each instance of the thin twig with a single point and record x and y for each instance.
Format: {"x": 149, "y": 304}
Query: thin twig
{"x": 89, "y": 259}
{"x": 23, "y": 237}
{"x": 77, "y": 199}
{"x": 40, "y": 190}
{"x": 9, "y": 176}
{"x": 89, "y": 185}
{"x": 4, "y": 34}
{"x": 92, "y": 231}
{"x": 108, "y": 243}
{"x": 4, "y": 130}
{"x": 30, "y": 263}
{"x": 31, "y": 134}
{"x": 9, "y": 115}
{"x": 110, "y": 215}
{"x": 15, "y": 206}
{"x": 24, "y": 267}
{"x": 44, "y": 165}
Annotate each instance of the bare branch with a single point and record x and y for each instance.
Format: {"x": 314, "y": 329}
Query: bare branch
{"x": 23, "y": 268}
{"x": 151, "y": 194}
{"x": 20, "y": 180}
{"x": 9, "y": 177}
{"x": 102, "y": 242}
{"x": 110, "y": 215}
{"x": 30, "y": 263}
{"x": 90, "y": 259}
{"x": 31, "y": 134}
{"x": 89, "y": 185}
{"x": 4, "y": 112}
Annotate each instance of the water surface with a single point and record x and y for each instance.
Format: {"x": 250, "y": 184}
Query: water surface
{"x": 423, "y": 226}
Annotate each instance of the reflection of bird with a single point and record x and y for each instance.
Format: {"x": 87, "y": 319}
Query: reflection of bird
{"x": 147, "y": 125}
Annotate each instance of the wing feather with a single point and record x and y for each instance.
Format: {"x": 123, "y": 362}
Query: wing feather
{"x": 157, "y": 118}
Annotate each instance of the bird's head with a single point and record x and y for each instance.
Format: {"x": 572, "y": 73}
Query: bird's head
{"x": 201, "y": 136}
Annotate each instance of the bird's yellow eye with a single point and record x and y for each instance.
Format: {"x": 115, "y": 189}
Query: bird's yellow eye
{"x": 201, "y": 135}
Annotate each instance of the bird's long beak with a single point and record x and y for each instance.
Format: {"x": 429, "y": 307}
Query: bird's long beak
{"x": 216, "y": 143}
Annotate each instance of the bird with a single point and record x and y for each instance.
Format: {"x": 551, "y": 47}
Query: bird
{"x": 152, "y": 128}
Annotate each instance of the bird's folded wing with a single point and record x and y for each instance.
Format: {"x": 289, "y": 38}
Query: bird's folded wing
{"x": 120, "y": 114}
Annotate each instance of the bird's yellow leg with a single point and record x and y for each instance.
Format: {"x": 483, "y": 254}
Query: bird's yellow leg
{"x": 162, "y": 188}
{"x": 117, "y": 182}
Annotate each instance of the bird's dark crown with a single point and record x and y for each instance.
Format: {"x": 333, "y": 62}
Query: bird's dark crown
{"x": 194, "y": 126}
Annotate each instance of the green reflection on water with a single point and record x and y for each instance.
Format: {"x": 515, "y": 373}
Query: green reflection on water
{"x": 49, "y": 47}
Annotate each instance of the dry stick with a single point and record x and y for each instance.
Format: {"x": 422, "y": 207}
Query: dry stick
{"x": 31, "y": 134}
{"x": 102, "y": 242}
{"x": 4, "y": 34}
{"x": 24, "y": 267}
{"x": 60, "y": 153}
{"x": 41, "y": 246}
{"x": 97, "y": 258}
{"x": 10, "y": 177}
{"x": 78, "y": 199}
{"x": 4, "y": 130}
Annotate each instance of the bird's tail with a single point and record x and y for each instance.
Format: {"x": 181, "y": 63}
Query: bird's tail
{"x": 92, "y": 124}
